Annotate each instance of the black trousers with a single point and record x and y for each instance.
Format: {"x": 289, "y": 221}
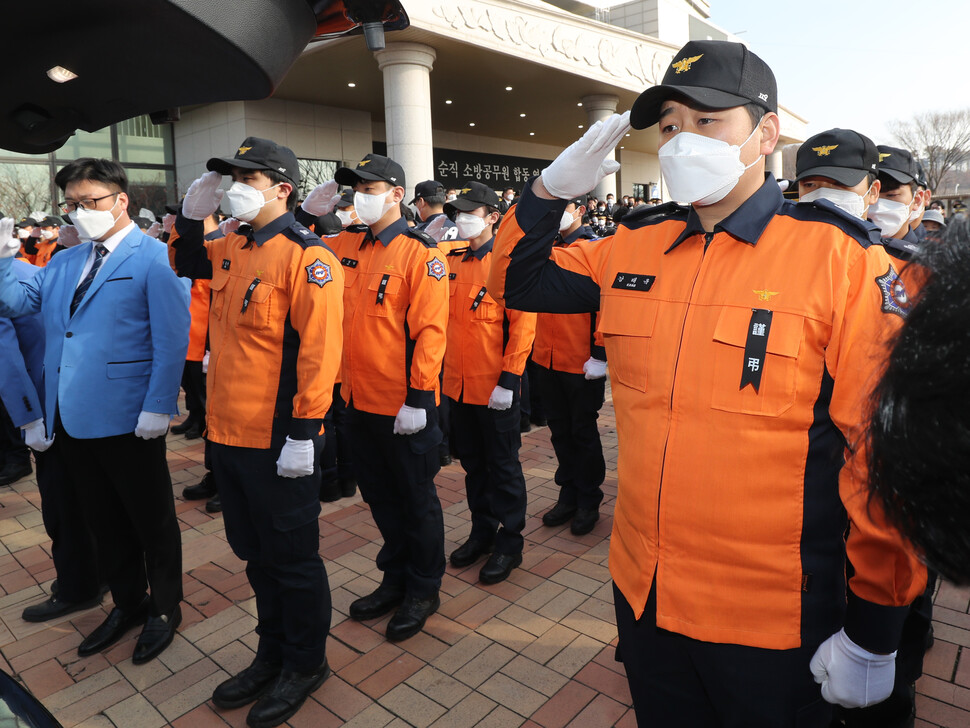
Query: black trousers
{"x": 396, "y": 478}
{"x": 337, "y": 457}
{"x": 271, "y": 524}
{"x": 572, "y": 404}
{"x": 72, "y": 541}
{"x": 193, "y": 382}
{"x": 125, "y": 490}
{"x": 487, "y": 442}
{"x": 12, "y": 448}
{"x": 679, "y": 681}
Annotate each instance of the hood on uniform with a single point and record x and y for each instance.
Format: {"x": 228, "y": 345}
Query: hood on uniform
{"x": 897, "y": 163}
{"x": 472, "y": 196}
{"x": 373, "y": 167}
{"x": 842, "y": 155}
{"x": 714, "y": 74}
{"x": 256, "y": 153}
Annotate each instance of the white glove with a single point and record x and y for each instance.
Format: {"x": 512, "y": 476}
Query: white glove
{"x": 203, "y": 197}
{"x": 851, "y": 676}
{"x": 322, "y": 199}
{"x": 500, "y": 398}
{"x": 35, "y": 435}
{"x": 229, "y": 225}
{"x": 594, "y": 368}
{"x": 436, "y": 228}
{"x": 35, "y": 233}
{"x": 205, "y": 362}
{"x": 168, "y": 222}
{"x": 151, "y": 425}
{"x": 154, "y": 230}
{"x": 581, "y": 166}
{"x": 410, "y": 420}
{"x": 9, "y": 245}
{"x": 69, "y": 236}
{"x": 296, "y": 458}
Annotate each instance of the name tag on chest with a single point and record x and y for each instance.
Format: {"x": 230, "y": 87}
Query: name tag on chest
{"x": 633, "y": 282}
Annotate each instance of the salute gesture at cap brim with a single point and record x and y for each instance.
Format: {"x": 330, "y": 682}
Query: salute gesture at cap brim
{"x": 203, "y": 197}
{"x": 583, "y": 164}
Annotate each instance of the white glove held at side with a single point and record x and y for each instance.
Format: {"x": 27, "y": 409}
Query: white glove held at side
{"x": 296, "y": 458}
{"x": 500, "y": 398}
{"x": 205, "y": 362}
{"x": 581, "y": 166}
{"x": 410, "y": 420}
{"x": 203, "y": 197}
{"x": 851, "y": 676}
{"x": 151, "y": 425}
{"x": 35, "y": 435}
{"x": 9, "y": 245}
{"x": 322, "y": 199}
{"x": 594, "y": 368}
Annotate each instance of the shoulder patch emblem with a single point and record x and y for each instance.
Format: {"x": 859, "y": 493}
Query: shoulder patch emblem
{"x": 318, "y": 272}
{"x": 437, "y": 269}
{"x": 894, "y": 297}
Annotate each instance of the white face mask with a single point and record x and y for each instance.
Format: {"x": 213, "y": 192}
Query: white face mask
{"x": 371, "y": 208}
{"x": 702, "y": 170}
{"x": 888, "y": 215}
{"x": 509, "y": 197}
{"x": 566, "y": 220}
{"x": 93, "y": 224}
{"x": 245, "y": 201}
{"x": 47, "y": 234}
{"x": 346, "y": 218}
{"x": 469, "y": 226}
{"x": 23, "y": 233}
{"x": 915, "y": 214}
{"x": 846, "y": 200}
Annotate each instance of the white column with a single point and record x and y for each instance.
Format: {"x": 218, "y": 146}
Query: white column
{"x": 407, "y": 108}
{"x": 600, "y": 106}
{"x": 774, "y": 164}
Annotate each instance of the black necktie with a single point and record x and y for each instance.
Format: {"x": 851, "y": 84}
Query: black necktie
{"x": 99, "y": 252}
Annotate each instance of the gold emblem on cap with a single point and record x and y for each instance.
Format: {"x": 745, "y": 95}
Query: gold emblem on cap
{"x": 825, "y": 151}
{"x": 362, "y": 162}
{"x": 243, "y": 150}
{"x": 684, "y": 64}
{"x": 765, "y": 295}
{"x": 466, "y": 190}
{"x": 884, "y": 156}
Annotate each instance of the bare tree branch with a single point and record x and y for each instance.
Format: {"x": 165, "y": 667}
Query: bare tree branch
{"x": 940, "y": 139}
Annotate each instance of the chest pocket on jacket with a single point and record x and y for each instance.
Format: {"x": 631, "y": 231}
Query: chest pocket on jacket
{"x": 776, "y": 392}
{"x": 487, "y": 310}
{"x": 259, "y": 310}
{"x": 385, "y": 294}
{"x": 219, "y": 287}
{"x": 626, "y": 323}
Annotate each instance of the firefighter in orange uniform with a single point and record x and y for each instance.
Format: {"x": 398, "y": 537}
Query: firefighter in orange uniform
{"x": 275, "y": 339}
{"x": 484, "y": 360}
{"x": 46, "y": 241}
{"x": 744, "y": 333}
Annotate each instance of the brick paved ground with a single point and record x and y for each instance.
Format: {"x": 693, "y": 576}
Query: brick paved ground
{"x": 536, "y": 650}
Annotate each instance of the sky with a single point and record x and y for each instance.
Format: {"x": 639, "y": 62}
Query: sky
{"x": 854, "y": 64}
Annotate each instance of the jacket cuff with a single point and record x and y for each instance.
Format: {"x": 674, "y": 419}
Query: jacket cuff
{"x": 872, "y": 626}
{"x": 597, "y": 352}
{"x": 530, "y": 210}
{"x": 304, "y": 218}
{"x": 187, "y": 230}
{"x": 511, "y": 381}
{"x": 305, "y": 429}
{"x": 420, "y": 399}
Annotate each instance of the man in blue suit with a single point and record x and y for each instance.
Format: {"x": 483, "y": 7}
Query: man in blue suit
{"x": 117, "y": 325}
{"x": 72, "y": 543}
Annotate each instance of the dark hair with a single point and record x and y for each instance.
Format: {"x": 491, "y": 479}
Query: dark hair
{"x": 436, "y": 200}
{"x": 277, "y": 178}
{"x": 889, "y": 184}
{"x": 106, "y": 171}
{"x": 756, "y": 112}
{"x": 406, "y": 212}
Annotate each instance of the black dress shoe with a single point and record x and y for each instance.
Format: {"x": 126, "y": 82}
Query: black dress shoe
{"x": 498, "y": 567}
{"x": 54, "y": 607}
{"x": 247, "y": 686}
{"x": 194, "y": 432}
{"x": 184, "y": 426}
{"x": 469, "y": 552}
{"x": 156, "y": 635}
{"x": 445, "y": 460}
{"x": 410, "y": 617}
{"x": 214, "y": 504}
{"x": 524, "y": 424}
{"x": 558, "y": 514}
{"x": 348, "y": 487}
{"x": 376, "y": 604}
{"x": 205, "y": 488}
{"x": 286, "y": 696}
{"x": 330, "y": 491}
{"x": 12, "y": 472}
{"x": 584, "y": 520}
{"x": 113, "y": 628}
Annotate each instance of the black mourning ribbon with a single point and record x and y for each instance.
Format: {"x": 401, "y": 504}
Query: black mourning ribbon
{"x": 755, "y": 348}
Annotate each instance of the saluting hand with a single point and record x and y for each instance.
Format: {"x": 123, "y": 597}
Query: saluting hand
{"x": 203, "y": 197}
{"x": 581, "y": 166}
{"x": 322, "y": 199}
{"x": 68, "y": 236}
{"x": 436, "y": 228}
{"x": 9, "y": 245}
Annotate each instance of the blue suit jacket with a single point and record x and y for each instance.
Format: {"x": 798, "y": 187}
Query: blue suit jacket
{"x": 123, "y": 350}
{"x": 22, "y": 360}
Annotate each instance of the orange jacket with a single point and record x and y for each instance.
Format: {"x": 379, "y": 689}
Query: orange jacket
{"x": 45, "y": 251}
{"x": 732, "y": 426}
{"x": 487, "y": 345}
{"x": 396, "y": 314}
{"x": 275, "y": 330}
{"x": 199, "y": 311}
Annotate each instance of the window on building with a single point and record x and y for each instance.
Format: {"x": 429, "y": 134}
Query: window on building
{"x": 314, "y": 172}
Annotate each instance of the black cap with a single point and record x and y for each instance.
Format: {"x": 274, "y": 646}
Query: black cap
{"x": 346, "y": 199}
{"x": 714, "y": 74}
{"x": 921, "y": 176}
{"x": 471, "y": 196}
{"x": 430, "y": 188}
{"x": 173, "y": 209}
{"x": 372, "y": 167}
{"x": 577, "y": 201}
{"x": 25, "y": 221}
{"x": 898, "y": 164}
{"x": 51, "y": 221}
{"x": 256, "y": 153}
{"x": 842, "y": 155}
